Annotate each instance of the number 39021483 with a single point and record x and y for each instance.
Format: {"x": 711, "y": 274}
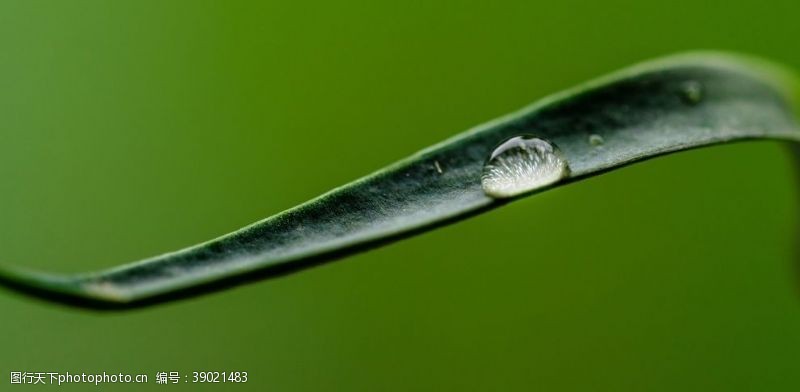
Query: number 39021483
{"x": 219, "y": 377}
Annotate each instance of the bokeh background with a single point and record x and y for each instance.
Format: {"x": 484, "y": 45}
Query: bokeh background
{"x": 131, "y": 128}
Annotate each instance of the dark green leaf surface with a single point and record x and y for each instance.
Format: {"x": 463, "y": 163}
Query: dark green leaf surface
{"x": 645, "y": 111}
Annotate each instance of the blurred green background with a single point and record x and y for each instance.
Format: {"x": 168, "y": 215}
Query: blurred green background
{"x": 131, "y": 128}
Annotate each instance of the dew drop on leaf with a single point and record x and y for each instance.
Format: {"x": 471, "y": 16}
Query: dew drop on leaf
{"x": 522, "y": 164}
{"x": 692, "y": 92}
{"x": 596, "y": 140}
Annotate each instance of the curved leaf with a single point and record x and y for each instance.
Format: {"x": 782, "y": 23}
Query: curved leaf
{"x": 645, "y": 111}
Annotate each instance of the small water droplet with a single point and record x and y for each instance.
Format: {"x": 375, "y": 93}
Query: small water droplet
{"x": 438, "y": 167}
{"x": 596, "y": 140}
{"x": 692, "y": 92}
{"x": 522, "y": 164}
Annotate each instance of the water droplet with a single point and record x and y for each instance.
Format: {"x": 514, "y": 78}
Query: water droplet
{"x": 692, "y": 92}
{"x": 522, "y": 164}
{"x": 437, "y": 166}
{"x": 596, "y": 140}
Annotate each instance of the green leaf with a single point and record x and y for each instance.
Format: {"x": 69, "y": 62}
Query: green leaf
{"x": 645, "y": 111}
